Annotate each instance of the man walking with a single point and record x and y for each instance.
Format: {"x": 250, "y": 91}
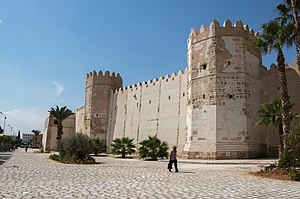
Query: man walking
{"x": 173, "y": 160}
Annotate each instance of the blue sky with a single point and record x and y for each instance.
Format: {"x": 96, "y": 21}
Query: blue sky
{"x": 47, "y": 47}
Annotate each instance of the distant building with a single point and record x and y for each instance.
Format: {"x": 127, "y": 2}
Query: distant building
{"x": 27, "y": 138}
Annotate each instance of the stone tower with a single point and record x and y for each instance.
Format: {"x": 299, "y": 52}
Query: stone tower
{"x": 99, "y": 88}
{"x": 223, "y": 92}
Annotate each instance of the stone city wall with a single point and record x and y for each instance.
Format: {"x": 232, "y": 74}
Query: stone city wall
{"x": 156, "y": 107}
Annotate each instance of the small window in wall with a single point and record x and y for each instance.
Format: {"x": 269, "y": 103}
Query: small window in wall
{"x": 97, "y": 115}
{"x": 204, "y": 66}
{"x": 278, "y": 88}
{"x": 230, "y": 96}
{"x": 149, "y": 101}
{"x": 183, "y": 94}
{"x": 169, "y": 97}
{"x": 203, "y": 96}
{"x": 228, "y": 63}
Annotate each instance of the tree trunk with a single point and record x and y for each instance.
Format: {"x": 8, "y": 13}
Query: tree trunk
{"x": 59, "y": 131}
{"x": 284, "y": 96}
{"x": 297, "y": 27}
{"x": 281, "y": 139}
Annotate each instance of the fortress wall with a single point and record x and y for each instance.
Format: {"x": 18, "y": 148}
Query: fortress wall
{"x": 119, "y": 108}
{"x": 50, "y": 131}
{"x": 270, "y": 92}
{"x": 238, "y": 70}
{"x": 97, "y": 103}
{"x": 79, "y": 120}
{"x": 171, "y": 116}
{"x": 150, "y": 107}
{"x": 156, "y": 107}
{"x": 201, "y": 111}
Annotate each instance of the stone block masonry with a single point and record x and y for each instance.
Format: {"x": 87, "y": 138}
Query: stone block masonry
{"x": 208, "y": 110}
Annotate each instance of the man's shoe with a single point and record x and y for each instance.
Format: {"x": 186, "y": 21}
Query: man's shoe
{"x": 176, "y": 171}
{"x": 170, "y": 170}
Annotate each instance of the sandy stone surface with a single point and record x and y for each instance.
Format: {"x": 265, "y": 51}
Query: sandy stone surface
{"x": 33, "y": 175}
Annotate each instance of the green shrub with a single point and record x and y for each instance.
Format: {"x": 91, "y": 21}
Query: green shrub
{"x": 122, "y": 146}
{"x": 270, "y": 167}
{"x": 98, "y": 146}
{"x": 294, "y": 174}
{"x": 153, "y": 148}
{"x": 54, "y": 157}
{"x": 75, "y": 149}
{"x": 287, "y": 160}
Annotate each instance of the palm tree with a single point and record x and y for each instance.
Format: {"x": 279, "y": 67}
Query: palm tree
{"x": 274, "y": 36}
{"x": 270, "y": 114}
{"x": 98, "y": 146}
{"x": 122, "y": 146}
{"x": 36, "y": 133}
{"x": 153, "y": 148}
{"x": 60, "y": 114}
{"x": 289, "y": 10}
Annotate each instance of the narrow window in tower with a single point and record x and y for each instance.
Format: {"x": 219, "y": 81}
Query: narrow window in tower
{"x": 149, "y": 101}
{"x": 228, "y": 63}
{"x": 203, "y": 96}
{"x": 204, "y": 66}
{"x": 169, "y": 97}
{"x": 183, "y": 94}
{"x": 230, "y": 96}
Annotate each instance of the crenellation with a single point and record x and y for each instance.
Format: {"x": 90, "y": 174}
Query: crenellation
{"x": 246, "y": 28}
{"x": 227, "y": 24}
{"x": 239, "y": 24}
{"x": 208, "y": 110}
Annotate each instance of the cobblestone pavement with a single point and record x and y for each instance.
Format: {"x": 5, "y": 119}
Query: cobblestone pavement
{"x": 33, "y": 175}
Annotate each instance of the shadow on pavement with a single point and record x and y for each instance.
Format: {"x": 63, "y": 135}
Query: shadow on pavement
{"x": 4, "y": 156}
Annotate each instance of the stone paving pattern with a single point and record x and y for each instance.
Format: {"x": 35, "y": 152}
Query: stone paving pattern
{"x": 33, "y": 175}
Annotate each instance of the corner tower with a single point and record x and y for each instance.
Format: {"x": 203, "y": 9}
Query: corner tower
{"x": 98, "y": 90}
{"x": 223, "y": 92}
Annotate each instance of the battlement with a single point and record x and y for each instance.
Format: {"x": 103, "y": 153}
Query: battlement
{"x": 272, "y": 70}
{"x": 214, "y": 30}
{"x": 152, "y": 83}
{"x": 101, "y": 75}
{"x": 105, "y": 79}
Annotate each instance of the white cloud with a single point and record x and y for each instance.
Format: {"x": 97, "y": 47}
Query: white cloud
{"x": 59, "y": 88}
{"x": 24, "y": 120}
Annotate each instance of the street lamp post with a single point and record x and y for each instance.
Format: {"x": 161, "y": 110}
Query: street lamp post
{"x": 11, "y": 128}
{"x": 4, "y": 122}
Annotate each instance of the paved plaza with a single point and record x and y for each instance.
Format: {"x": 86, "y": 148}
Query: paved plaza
{"x": 33, "y": 175}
